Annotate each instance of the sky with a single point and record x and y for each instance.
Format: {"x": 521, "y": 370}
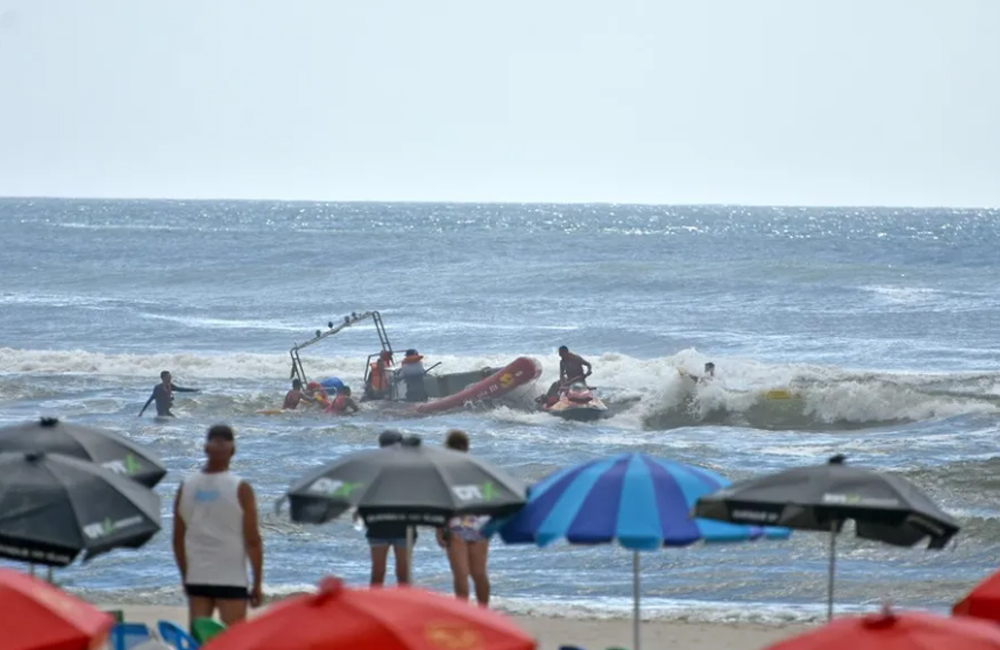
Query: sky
{"x": 791, "y": 102}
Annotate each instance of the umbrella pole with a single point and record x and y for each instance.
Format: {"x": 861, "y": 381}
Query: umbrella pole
{"x": 409, "y": 555}
{"x": 635, "y": 600}
{"x": 832, "y": 568}
{"x": 48, "y": 575}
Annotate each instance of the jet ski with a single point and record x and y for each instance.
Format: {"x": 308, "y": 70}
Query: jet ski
{"x": 578, "y": 403}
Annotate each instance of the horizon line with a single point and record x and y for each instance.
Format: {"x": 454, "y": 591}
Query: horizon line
{"x": 500, "y": 202}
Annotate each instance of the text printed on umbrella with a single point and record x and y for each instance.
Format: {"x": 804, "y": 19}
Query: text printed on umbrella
{"x": 482, "y": 492}
{"x": 104, "y": 528}
{"x": 126, "y": 466}
{"x": 333, "y": 488}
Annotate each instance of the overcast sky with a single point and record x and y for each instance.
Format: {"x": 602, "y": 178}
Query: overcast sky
{"x": 868, "y": 102}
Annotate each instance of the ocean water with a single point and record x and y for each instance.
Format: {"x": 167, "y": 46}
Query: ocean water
{"x": 881, "y": 322}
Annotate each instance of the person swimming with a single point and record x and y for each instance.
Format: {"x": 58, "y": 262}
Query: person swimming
{"x": 707, "y": 376}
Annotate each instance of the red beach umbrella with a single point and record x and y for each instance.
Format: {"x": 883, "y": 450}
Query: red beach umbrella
{"x": 402, "y": 618}
{"x": 34, "y": 615}
{"x": 983, "y": 601}
{"x": 897, "y": 631}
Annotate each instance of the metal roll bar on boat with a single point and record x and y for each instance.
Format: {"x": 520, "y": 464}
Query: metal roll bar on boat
{"x": 352, "y": 319}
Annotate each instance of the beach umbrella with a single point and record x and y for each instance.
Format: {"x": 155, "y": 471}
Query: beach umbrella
{"x": 54, "y": 507}
{"x": 896, "y": 631}
{"x": 388, "y": 619}
{"x": 105, "y": 448}
{"x": 641, "y": 502}
{"x": 407, "y": 483}
{"x": 884, "y": 507}
{"x": 37, "y": 616}
{"x": 983, "y": 601}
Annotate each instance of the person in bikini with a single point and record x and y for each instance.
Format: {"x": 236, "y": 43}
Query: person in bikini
{"x": 467, "y": 547}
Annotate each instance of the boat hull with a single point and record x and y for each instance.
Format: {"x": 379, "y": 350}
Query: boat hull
{"x": 580, "y": 413}
{"x": 519, "y": 372}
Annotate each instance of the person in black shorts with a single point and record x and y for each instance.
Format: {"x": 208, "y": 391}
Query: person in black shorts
{"x": 384, "y": 535}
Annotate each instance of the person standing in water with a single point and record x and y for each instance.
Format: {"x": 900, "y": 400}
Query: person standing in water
{"x": 216, "y": 534}
{"x": 163, "y": 394}
{"x": 343, "y": 402}
{"x": 294, "y": 396}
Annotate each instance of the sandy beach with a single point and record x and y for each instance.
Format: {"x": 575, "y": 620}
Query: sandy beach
{"x": 587, "y": 634}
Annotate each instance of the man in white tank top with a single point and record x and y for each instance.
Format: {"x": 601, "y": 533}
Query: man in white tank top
{"x": 216, "y": 534}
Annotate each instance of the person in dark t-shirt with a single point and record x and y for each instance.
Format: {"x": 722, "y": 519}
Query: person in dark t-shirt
{"x": 163, "y": 395}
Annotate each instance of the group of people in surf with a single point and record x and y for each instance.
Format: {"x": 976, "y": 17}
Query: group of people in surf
{"x": 572, "y": 369}
{"x": 377, "y": 386}
{"x": 316, "y": 396}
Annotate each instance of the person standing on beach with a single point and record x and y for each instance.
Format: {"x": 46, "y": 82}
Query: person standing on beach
{"x": 216, "y": 533}
{"x": 467, "y": 547}
{"x": 389, "y": 534}
{"x": 163, "y": 393}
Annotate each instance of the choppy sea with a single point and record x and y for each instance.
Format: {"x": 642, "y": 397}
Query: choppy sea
{"x": 882, "y": 323}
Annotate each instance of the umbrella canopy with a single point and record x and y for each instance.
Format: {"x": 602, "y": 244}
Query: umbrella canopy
{"x": 891, "y": 631}
{"x": 407, "y": 483}
{"x": 642, "y": 502}
{"x": 884, "y": 507}
{"x": 38, "y": 616}
{"x": 53, "y": 507}
{"x": 387, "y": 619}
{"x": 104, "y": 448}
{"x": 983, "y": 601}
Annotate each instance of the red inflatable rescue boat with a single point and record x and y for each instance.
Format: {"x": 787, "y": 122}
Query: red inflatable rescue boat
{"x": 520, "y": 371}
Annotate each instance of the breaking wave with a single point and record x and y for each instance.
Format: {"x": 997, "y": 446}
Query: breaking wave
{"x": 650, "y": 394}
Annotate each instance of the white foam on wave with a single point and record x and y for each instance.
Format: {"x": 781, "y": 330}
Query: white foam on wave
{"x": 651, "y": 392}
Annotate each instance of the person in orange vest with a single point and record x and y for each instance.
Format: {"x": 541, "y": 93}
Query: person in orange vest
{"x": 412, "y": 371}
{"x": 377, "y": 386}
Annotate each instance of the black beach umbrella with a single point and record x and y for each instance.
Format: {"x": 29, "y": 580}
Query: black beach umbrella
{"x": 884, "y": 507}
{"x": 54, "y": 507}
{"x": 406, "y": 483}
{"x": 104, "y": 448}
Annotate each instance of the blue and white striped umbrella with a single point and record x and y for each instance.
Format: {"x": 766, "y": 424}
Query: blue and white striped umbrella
{"x": 639, "y": 501}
